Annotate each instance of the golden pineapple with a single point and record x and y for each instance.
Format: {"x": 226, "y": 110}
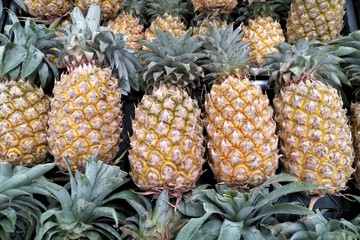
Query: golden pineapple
{"x": 48, "y": 8}
{"x": 166, "y": 15}
{"x": 262, "y": 29}
{"x": 214, "y": 6}
{"x": 167, "y": 142}
{"x": 321, "y": 20}
{"x": 128, "y": 22}
{"x": 85, "y": 116}
{"x": 355, "y": 125}
{"x": 23, "y": 105}
{"x": 203, "y": 25}
{"x": 238, "y": 117}
{"x": 264, "y": 33}
{"x": 109, "y": 8}
{"x": 314, "y": 133}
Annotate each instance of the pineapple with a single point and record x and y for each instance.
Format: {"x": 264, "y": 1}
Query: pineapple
{"x": 166, "y": 15}
{"x": 19, "y": 210}
{"x": 161, "y": 221}
{"x": 238, "y": 117}
{"x": 320, "y": 20}
{"x": 263, "y": 30}
{"x": 214, "y": 6}
{"x": 85, "y": 117}
{"x": 227, "y": 213}
{"x": 129, "y": 23}
{"x": 109, "y": 8}
{"x": 23, "y": 105}
{"x": 316, "y": 226}
{"x": 167, "y": 142}
{"x": 203, "y": 23}
{"x": 49, "y": 9}
{"x": 315, "y": 137}
{"x": 84, "y": 212}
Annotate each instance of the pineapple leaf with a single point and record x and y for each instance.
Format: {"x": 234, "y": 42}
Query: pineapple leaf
{"x": 210, "y": 230}
{"x": 93, "y": 17}
{"x": 14, "y": 56}
{"x": 231, "y": 230}
{"x": 191, "y": 228}
{"x": 109, "y": 229}
{"x": 31, "y": 62}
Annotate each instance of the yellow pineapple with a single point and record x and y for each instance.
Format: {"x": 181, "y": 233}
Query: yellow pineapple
{"x": 203, "y": 24}
{"x": 167, "y": 142}
{"x": 23, "y": 105}
{"x": 48, "y": 8}
{"x": 85, "y": 116}
{"x": 238, "y": 117}
{"x": 262, "y": 29}
{"x": 315, "y": 137}
{"x": 166, "y": 15}
{"x": 129, "y": 22}
{"x": 355, "y": 125}
{"x": 109, "y": 8}
{"x": 214, "y": 6}
{"x": 321, "y": 20}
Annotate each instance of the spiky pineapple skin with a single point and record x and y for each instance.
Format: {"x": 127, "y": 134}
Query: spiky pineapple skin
{"x": 214, "y": 5}
{"x": 172, "y": 24}
{"x": 85, "y": 117}
{"x": 321, "y": 20}
{"x": 128, "y": 24}
{"x": 355, "y": 127}
{"x": 48, "y": 8}
{"x": 204, "y": 25}
{"x": 23, "y": 116}
{"x": 264, "y": 33}
{"x": 167, "y": 142}
{"x": 314, "y": 135}
{"x": 109, "y": 8}
{"x": 241, "y": 133}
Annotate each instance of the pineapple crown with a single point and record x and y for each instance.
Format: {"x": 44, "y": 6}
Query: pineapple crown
{"x": 235, "y": 214}
{"x": 316, "y": 227}
{"x": 227, "y": 53}
{"x": 172, "y": 60}
{"x": 250, "y": 9}
{"x": 85, "y": 212}
{"x": 19, "y": 210}
{"x": 306, "y": 61}
{"x": 152, "y": 222}
{"x": 158, "y": 8}
{"x": 85, "y": 41}
{"x": 135, "y": 7}
{"x": 351, "y": 65}
{"x": 23, "y": 52}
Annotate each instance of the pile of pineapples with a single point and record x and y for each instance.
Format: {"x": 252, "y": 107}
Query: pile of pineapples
{"x": 145, "y": 119}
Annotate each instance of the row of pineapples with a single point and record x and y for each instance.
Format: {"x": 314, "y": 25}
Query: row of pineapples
{"x": 83, "y": 118}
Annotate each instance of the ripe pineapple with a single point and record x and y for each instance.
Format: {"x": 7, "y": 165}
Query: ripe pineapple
{"x": 214, "y": 6}
{"x": 320, "y": 20}
{"x": 238, "y": 117}
{"x": 166, "y": 15}
{"x": 313, "y": 128}
{"x": 85, "y": 116}
{"x": 167, "y": 143}
{"x": 262, "y": 29}
{"x": 129, "y": 22}
{"x": 203, "y": 24}
{"x": 23, "y": 105}
{"x": 109, "y": 8}
{"x": 48, "y": 8}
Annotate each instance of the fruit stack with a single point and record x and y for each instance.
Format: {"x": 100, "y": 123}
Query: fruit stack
{"x": 179, "y": 119}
